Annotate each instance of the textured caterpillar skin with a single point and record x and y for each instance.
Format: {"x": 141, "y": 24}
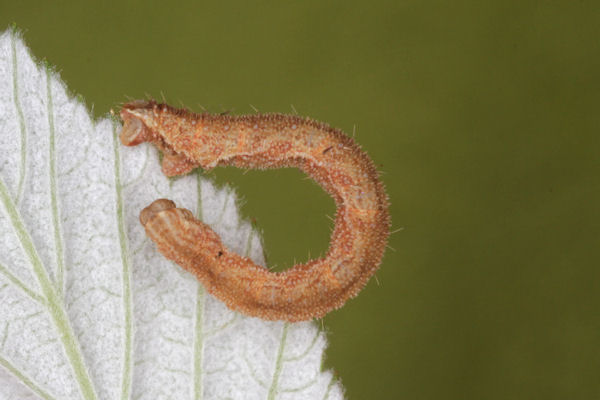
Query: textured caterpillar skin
{"x": 331, "y": 158}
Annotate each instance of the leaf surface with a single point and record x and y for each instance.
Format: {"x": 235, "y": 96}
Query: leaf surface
{"x": 88, "y": 308}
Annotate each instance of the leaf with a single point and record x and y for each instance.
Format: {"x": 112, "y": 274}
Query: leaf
{"x": 88, "y": 308}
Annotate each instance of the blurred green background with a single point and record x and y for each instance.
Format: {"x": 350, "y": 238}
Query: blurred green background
{"x": 483, "y": 117}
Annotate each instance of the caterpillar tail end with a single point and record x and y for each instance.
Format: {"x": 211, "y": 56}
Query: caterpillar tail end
{"x": 153, "y": 209}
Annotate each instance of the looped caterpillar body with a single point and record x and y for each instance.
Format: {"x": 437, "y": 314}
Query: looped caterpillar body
{"x": 331, "y": 158}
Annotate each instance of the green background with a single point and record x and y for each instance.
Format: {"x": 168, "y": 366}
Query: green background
{"x": 483, "y": 118}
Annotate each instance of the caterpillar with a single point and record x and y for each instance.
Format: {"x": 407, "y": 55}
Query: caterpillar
{"x": 304, "y": 291}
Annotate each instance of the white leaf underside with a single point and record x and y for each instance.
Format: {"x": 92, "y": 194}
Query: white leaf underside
{"x": 88, "y": 308}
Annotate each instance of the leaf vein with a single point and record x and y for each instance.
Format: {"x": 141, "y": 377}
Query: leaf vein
{"x": 21, "y": 116}
{"x": 127, "y": 296}
{"x": 278, "y": 363}
{"x": 199, "y": 323}
{"x": 24, "y": 379}
{"x": 53, "y": 190}
{"x": 21, "y": 285}
{"x": 55, "y": 306}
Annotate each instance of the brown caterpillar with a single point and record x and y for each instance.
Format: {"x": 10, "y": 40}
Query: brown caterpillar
{"x": 331, "y": 158}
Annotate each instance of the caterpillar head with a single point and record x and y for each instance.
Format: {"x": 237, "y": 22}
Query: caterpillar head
{"x": 148, "y": 121}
